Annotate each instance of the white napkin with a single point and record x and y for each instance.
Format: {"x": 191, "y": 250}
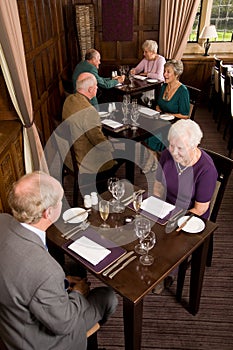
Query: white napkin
{"x": 112, "y": 123}
{"x": 140, "y": 77}
{"x": 147, "y": 111}
{"x": 157, "y": 207}
{"x": 89, "y": 250}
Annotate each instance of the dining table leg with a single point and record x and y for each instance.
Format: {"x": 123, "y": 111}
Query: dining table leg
{"x": 198, "y": 264}
{"x": 132, "y": 324}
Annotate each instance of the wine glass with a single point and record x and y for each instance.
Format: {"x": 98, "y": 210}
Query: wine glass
{"x": 131, "y": 78}
{"x": 142, "y": 228}
{"x": 137, "y": 202}
{"x": 111, "y": 182}
{"x": 118, "y": 193}
{"x": 148, "y": 243}
{"x": 134, "y": 117}
{"x": 104, "y": 212}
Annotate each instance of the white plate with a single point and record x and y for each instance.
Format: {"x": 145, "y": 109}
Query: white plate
{"x": 74, "y": 211}
{"x": 166, "y": 117}
{"x": 152, "y": 80}
{"x": 103, "y": 114}
{"x": 194, "y": 225}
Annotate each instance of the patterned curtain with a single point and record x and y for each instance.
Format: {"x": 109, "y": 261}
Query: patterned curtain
{"x": 85, "y": 23}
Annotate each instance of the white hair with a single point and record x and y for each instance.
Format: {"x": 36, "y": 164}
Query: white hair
{"x": 186, "y": 128}
{"x": 151, "y": 45}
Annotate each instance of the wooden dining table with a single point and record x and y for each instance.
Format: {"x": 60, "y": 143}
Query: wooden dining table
{"x": 147, "y": 127}
{"x": 135, "y": 281}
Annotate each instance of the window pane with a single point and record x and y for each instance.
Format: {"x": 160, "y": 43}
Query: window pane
{"x": 222, "y": 18}
{"x": 193, "y": 37}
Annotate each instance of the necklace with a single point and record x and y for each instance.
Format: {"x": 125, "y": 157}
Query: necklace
{"x": 168, "y": 93}
{"x": 180, "y": 170}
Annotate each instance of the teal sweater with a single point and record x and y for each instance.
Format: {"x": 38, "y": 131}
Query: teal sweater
{"x": 85, "y": 66}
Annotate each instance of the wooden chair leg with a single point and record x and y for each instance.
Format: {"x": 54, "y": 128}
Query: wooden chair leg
{"x": 92, "y": 341}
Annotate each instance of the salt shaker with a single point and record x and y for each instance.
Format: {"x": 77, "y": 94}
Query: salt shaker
{"x": 94, "y": 198}
{"x": 87, "y": 201}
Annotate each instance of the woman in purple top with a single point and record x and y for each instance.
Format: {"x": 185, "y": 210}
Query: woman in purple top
{"x": 186, "y": 176}
{"x": 152, "y": 65}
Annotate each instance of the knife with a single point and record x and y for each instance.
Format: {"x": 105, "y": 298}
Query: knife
{"x": 184, "y": 223}
{"x": 122, "y": 266}
{"x": 123, "y": 258}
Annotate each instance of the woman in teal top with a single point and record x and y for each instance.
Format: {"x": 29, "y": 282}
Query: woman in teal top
{"x": 173, "y": 99}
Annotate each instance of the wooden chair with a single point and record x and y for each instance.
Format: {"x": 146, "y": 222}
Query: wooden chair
{"x": 195, "y": 96}
{"x": 225, "y": 98}
{"x": 224, "y": 167}
{"x": 67, "y": 83}
{"x": 230, "y": 141}
{"x": 216, "y": 96}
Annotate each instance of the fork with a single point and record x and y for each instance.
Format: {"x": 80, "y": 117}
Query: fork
{"x": 82, "y": 227}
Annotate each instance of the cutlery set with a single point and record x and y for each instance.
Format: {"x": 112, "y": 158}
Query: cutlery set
{"x": 126, "y": 201}
{"x": 123, "y": 260}
{"x": 70, "y": 233}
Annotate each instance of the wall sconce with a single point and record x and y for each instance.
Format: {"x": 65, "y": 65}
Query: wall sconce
{"x": 208, "y": 32}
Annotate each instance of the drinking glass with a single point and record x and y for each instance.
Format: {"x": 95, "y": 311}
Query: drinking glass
{"x": 142, "y": 228}
{"x": 111, "y": 182}
{"x": 131, "y": 85}
{"x": 118, "y": 193}
{"x": 134, "y": 117}
{"x": 148, "y": 243}
{"x": 104, "y": 212}
{"x": 137, "y": 202}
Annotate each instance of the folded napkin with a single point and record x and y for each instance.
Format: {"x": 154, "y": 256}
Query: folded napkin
{"x": 157, "y": 207}
{"x": 147, "y": 111}
{"x": 89, "y": 250}
{"x": 112, "y": 123}
{"x": 140, "y": 77}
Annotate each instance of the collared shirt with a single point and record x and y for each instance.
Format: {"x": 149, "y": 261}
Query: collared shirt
{"x": 38, "y": 232}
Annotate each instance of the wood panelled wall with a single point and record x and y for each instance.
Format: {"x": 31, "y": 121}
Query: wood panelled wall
{"x": 51, "y": 47}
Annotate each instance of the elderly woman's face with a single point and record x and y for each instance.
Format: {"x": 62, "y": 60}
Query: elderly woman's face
{"x": 149, "y": 55}
{"x": 181, "y": 150}
{"x": 169, "y": 74}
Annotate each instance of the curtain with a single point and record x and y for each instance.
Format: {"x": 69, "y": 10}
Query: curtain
{"x": 85, "y": 24}
{"x": 176, "y": 21}
{"x": 12, "y": 60}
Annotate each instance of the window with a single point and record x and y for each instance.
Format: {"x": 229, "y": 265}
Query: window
{"x": 193, "y": 37}
{"x": 221, "y": 15}
{"x": 222, "y": 18}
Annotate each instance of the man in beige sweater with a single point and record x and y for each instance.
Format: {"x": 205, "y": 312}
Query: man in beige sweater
{"x": 94, "y": 153}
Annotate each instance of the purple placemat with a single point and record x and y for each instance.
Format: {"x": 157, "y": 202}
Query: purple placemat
{"x": 90, "y": 233}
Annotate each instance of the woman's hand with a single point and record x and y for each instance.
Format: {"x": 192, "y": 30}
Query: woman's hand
{"x": 121, "y": 79}
{"x": 132, "y": 71}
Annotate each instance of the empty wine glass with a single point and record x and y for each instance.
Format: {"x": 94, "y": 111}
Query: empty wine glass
{"x": 148, "y": 243}
{"x": 137, "y": 202}
{"x": 131, "y": 78}
{"x": 134, "y": 117}
{"x": 142, "y": 228}
{"x": 118, "y": 193}
{"x": 104, "y": 212}
{"x": 111, "y": 182}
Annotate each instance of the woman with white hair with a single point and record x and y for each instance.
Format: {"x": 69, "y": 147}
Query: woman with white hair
{"x": 186, "y": 175}
{"x": 152, "y": 65}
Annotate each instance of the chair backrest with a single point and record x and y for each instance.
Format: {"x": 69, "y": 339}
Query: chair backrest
{"x": 217, "y": 62}
{"x": 67, "y": 83}
{"x": 224, "y": 83}
{"x": 231, "y": 93}
{"x": 224, "y": 166}
{"x": 195, "y": 96}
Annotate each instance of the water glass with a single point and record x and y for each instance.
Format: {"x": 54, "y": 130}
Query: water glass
{"x": 148, "y": 243}
{"x": 142, "y": 228}
{"x": 118, "y": 193}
